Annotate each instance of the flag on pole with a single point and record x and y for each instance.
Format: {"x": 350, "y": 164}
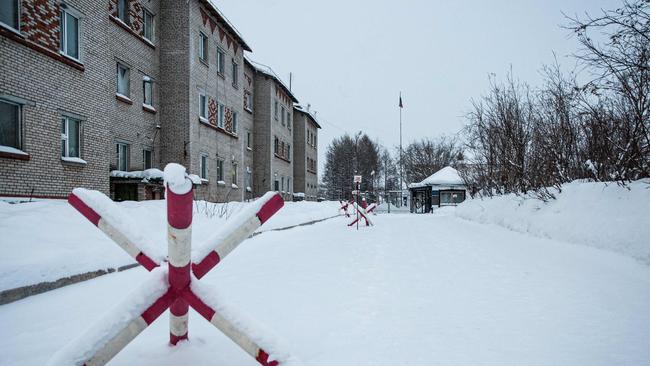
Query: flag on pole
{"x": 400, "y": 101}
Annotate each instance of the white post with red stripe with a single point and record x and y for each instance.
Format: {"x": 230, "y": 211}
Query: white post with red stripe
{"x": 179, "y": 243}
{"x": 172, "y": 285}
{"x": 363, "y": 214}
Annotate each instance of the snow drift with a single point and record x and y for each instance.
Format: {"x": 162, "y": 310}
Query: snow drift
{"x": 602, "y": 215}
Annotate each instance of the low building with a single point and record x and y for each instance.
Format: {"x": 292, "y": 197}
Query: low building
{"x": 443, "y": 188}
{"x": 305, "y": 162}
{"x": 272, "y": 133}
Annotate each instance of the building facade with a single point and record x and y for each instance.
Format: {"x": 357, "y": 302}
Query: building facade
{"x": 273, "y": 133}
{"x": 305, "y": 164}
{"x": 100, "y": 94}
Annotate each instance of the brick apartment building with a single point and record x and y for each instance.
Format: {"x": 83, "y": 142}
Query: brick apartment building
{"x": 305, "y": 165}
{"x": 94, "y": 93}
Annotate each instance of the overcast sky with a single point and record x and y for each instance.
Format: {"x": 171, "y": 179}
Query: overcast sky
{"x": 351, "y": 58}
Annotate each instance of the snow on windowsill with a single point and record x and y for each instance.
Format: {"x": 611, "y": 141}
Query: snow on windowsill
{"x": 204, "y": 120}
{"x": 123, "y": 97}
{"x": 73, "y": 160}
{"x": 12, "y": 150}
{"x": 203, "y": 180}
{"x": 221, "y": 183}
{"x": 249, "y": 148}
{"x": 195, "y": 179}
{"x": 248, "y": 189}
{"x": 234, "y": 186}
{"x": 148, "y": 108}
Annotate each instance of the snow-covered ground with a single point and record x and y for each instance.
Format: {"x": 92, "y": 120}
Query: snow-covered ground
{"x": 413, "y": 290}
{"x": 47, "y": 240}
{"x": 606, "y": 216}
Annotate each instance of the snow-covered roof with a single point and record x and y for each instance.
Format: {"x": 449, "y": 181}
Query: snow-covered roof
{"x": 221, "y": 18}
{"x": 307, "y": 111}
{"x": 145, "y": 175}
{"x": 266, "y": 70}
{"x": 446, "y": 176}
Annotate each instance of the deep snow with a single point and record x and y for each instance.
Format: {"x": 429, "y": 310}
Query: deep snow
{"x": 602, "y": 215}
{"x": 412, "y": 290}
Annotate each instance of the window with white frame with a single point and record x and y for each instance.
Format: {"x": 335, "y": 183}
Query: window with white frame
{"x": 235, "y": 74}
{"x": 203, "y": 47}
{"x": 10, "y": 13}
{"x": 234, "y": 122}
{"x": 289, "y": 185}
{"x": 148, "y": 25}
{"x": 123, "y": 80}
{"x": 122, "y": 155}
{"x": 221, "y": 115}
{"x": 282, "y": 185}
{"x": 10, "y": 124}
{"x": 203, "y": 169}
{"x": 220, "y": 169}
{"x": 69, "y": 25}
{"x": 70, "y": 137}
{"x": 147, "y": 91}
{"x": 147, "y": 158}
{"x": 203, "y": 106}
{"x": 221, "y": 61}
{"x": 123, "y": 10}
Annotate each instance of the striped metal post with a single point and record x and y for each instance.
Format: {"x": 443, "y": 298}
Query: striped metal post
{"x": 179, "y": 243}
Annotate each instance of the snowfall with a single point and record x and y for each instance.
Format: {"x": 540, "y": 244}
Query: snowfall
{"x": 503, "y": 281}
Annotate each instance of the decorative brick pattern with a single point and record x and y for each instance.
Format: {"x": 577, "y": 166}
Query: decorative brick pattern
{"x": 40, "y": 22}
{"x": 212, "y": 111}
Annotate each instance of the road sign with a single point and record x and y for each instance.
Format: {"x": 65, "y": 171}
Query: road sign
{"x": 357, "y": 179}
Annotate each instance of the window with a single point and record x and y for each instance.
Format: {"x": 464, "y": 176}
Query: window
{"x": 234, "y": 122}
{"x": 249, "y": 177}
{"x": 147, "y": 161}
{"x": 203, "y": 47}
{"x": 248, "y": 139}
{"x": 289, "y": 185}
{"x": 123, "y": 10}
{"x": 282, "y": 186}
{"x": 10, "y": 120}
{"x": 288, "y": 152}
{"x": 10, "y": 13}
{"x": 147, "y": 91}
{"x": 282, "y": 114}
{"x": 289, "y": 120}
{"x": 235, "y": 74}
{"x": 70, "y": 138}
{"x": 123, "y": 81}
{"x": 220, "y": 170}
{"x": 147, "y": 27}
{"x": 203, "y": 168}
{"x": 275, "y": 110}
{"x": 221, "y": 61}
{"x": 248, "y": 101}
{"x": 69, "y": 31}
{"x": 221, "y": 116}
{"x": 234, "y": 173}
{"x": 276, "y": 185}
{"x": 276, "y": 146}
{"x": 203, "y": 106}
{"x": 122, "y": 156}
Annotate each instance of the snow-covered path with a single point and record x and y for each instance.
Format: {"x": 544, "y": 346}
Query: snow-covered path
{"x": 413, "y": 290}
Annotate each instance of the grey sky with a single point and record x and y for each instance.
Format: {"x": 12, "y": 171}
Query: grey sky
{"x": 351, "y": 58}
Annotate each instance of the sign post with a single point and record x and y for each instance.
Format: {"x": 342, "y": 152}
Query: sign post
{"x": 357, "y": 187}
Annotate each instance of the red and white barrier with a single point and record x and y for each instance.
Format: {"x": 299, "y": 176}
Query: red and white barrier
{"x": 362, "y": 214}
{"x": 172, "y": 286}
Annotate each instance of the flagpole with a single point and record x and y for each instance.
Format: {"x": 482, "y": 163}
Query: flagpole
{"x": 401, "y": 179}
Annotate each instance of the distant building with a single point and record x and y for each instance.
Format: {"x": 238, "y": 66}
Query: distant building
{"x": 305, "y": 162}
{"x": 273, "y": 133}
{"x": 104, "y": 94}
{"x": 443, "y": 188}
